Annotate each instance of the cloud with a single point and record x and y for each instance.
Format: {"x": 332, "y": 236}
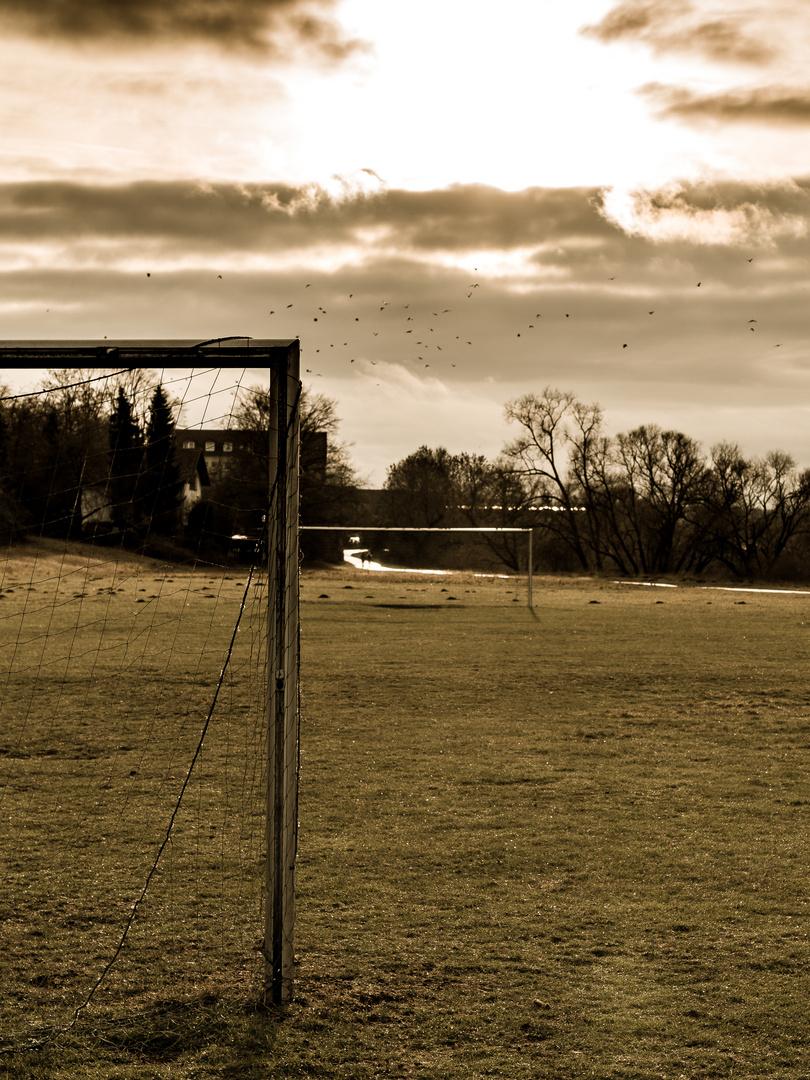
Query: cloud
{"x": 667, "y": 26}
{"x": 772, "y": 105}
{"x": 696, "y": 347}
{"x": 712, "y": 214}
{"x": 554, "y": 239}
{"x": 415, "y": 408}
{"x": 275, "y": 27}
{"x": 271, "y": 218}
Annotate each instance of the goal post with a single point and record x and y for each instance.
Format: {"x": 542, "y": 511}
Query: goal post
{"x": 282, "y": 672}
{"x": 274, "y": 363}
{"x": 447, "y": 529}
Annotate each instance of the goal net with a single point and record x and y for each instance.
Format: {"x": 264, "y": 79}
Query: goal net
{"x": 148, "y": 633}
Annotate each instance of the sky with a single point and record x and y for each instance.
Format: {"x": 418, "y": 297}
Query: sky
{"x": 450, "y": 204}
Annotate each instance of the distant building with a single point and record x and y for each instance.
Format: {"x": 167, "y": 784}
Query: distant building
{"x": 205, "y": 456}
{"x": 218, "y": 449}
{"x": 101, "y": 513}
{"x": 193, "y": 472}
{"x": 222, "y": 449}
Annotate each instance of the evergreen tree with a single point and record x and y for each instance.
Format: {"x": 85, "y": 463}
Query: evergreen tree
{"x": 160, "y": 481}
{"x": 11, "y": 517}
{"x": 126, "y": 459}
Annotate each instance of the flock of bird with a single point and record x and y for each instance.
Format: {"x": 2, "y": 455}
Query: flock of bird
{"x": 427, "y": 332}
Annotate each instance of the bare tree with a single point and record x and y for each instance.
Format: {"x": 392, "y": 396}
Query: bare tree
{"x": 752, "y": 510}
{"x": 328, "y": 480}
{"x": 549, "y": 427}
{"x": 318, "y": 416}
{"x": 657, "y": 480}
{"x": 495, "y": 494}
{"x": 421, "y": 489}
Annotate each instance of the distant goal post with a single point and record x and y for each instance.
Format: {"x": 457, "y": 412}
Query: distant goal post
{"x": 528, "y": 530}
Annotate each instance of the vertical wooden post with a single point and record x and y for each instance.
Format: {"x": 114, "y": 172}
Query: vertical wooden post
{"x": 282, "y": 681}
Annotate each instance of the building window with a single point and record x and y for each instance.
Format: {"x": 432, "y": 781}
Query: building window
{"x": 189, "y": 444}
{"x": 210, "y": 447}
{"x": 227, "y": 447}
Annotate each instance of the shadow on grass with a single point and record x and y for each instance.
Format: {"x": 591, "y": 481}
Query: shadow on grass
{"x": 231, "y": 1039}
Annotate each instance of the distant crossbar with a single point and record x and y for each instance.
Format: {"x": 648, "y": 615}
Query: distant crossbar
{"x": 410, "y": 528}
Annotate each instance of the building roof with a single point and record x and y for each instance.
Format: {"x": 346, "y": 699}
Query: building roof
{"x": 191, "y": 463}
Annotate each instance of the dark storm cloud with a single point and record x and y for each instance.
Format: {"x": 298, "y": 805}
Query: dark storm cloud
{"x": 274, "y": 218}
{"x": 760, "y": 105}
{"x": 273, "y": 26}
{"x": 675, "y": 26}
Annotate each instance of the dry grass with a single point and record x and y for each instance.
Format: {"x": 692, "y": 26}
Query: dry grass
{"x": 567, "y": 843}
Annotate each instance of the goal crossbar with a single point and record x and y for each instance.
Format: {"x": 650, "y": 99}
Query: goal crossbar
{"x": 410, "y": 528}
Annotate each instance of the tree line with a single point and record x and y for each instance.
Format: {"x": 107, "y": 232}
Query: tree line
{"x": 645, "y": 502}
{"x": 95, "y": 453}
{"x": 83, "y": 442}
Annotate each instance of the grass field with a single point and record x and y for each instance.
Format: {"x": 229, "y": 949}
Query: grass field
{"x": 562, "y": 843}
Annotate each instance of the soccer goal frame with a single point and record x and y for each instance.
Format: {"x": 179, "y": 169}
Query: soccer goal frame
{"x": 282, "y": 359}
{"x": 438, "y": 529}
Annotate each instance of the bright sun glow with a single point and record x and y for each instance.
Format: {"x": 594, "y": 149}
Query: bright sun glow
{"x": 447, "y": 95}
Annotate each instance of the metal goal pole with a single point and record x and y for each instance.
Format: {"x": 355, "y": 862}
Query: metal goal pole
{"x": 282, "y": 681}
{"x": 530, "y": 567}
